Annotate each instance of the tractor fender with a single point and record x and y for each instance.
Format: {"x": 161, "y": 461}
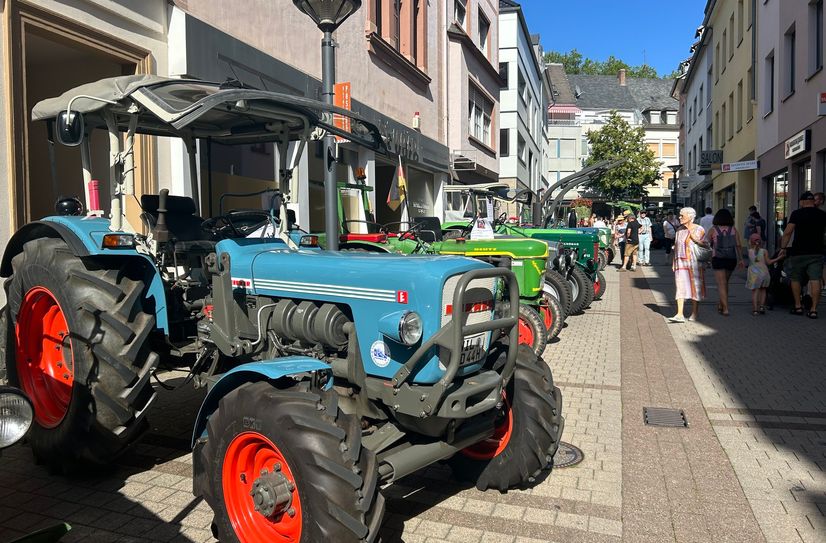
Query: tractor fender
{"x": 82, "y": 244}
{"x": 365, "y": 246}
{"x": 289, "y": 368}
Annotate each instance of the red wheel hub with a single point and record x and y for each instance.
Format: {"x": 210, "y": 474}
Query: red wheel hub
{"x": 526, "y": 335}
{"x": 498, "y": 442}
{"x": 260, "y": 492}
{"x": 547, "y": 316}
{"x": 45, "y": 364}
{"x": 597, "y": 287}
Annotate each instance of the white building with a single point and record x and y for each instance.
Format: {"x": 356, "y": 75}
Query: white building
{"x": 523, "y": 101}
{"x": 566, "y": 139}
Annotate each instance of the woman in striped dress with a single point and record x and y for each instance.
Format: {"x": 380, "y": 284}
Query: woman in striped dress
{"x": 688, "y": 272}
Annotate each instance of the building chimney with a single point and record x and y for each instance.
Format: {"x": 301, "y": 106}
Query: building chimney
{"x": 621, "y": 77}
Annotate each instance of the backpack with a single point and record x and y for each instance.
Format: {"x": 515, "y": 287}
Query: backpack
{"x": 725, "y": 245}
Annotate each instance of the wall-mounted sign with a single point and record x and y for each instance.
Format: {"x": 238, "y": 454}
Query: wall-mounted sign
{"x": 709, "y": 158}
{"x": 821, "y": 104}
{"x": 799, "y": 143}
{"x": 342, "y": 98}
{"x": 739, "y": 166}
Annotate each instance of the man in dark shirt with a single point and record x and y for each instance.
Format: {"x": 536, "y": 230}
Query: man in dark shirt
{"x": 632, "y": 243}
{"x": 806, "y": 251}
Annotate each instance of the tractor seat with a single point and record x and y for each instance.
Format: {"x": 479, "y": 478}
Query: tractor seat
{"x": 430, "y": 229}
{"x": 183, "y": 224}
{"x": 373, "y": 238}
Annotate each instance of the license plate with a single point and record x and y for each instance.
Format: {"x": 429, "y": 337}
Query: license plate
{"x": 473, "y": 349}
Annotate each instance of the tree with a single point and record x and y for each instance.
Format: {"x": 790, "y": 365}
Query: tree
{"x": 572, "y": 61}
{"x": 575, "y": 63}
{"x": 617, "y": 139}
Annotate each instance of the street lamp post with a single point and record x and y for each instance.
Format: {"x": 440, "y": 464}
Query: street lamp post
{"x": 675, "y": 169}
{"x": 328, "y": 16}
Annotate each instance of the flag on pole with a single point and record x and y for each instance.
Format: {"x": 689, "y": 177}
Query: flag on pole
{"x": 398, "y": 189}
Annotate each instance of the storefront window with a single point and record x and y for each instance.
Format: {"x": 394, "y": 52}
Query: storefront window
{"x": 804, "y": 176}
{"x": 778, "y": 205}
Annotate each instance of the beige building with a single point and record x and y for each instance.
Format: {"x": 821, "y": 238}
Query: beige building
{"x": 732, "y": 90}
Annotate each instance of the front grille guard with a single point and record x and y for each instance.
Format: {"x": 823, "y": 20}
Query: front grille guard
{"x": 451, "y": 336}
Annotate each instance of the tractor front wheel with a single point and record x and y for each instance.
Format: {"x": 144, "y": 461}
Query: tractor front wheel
{"x": 557, "y": 286}
{"x": 582, "y": 289}
{"x": 552, "y": 315}
{"x": 77, "y": 334}
{"x": 532, "y": 330}
{"x": 288, "y": 466}
{"x": 599, "y": 286}
{"x": 527, "y": 433}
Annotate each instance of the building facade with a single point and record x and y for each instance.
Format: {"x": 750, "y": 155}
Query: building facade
{"x": 565, "y": 136}
{"x": 791, "y": 143}
{"x": 523, "y": 101}
{"x": 733, "y": 127}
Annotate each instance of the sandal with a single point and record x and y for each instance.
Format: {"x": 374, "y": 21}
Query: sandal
{"x": 797, "y": 311}
{"x": 755, "y": 313}
{"x": 762, "y": 309}
{"x": 719, "y": 307}
{"x": 812, "y": 314}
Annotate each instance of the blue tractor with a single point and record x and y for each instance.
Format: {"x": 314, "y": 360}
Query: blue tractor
{"x": 330, "y": 374}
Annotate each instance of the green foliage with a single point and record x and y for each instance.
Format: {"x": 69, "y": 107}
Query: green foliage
{"x": 582, "y": 212}
{"x": 575, "y": 63}
{"x": 616, "y": 139}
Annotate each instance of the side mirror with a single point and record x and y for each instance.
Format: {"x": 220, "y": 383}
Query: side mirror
{"x": 308, "y": 241}
{"x": 70, "y": 128}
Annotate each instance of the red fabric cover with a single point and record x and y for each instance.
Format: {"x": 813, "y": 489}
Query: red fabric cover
{"x": 375, "y": 238}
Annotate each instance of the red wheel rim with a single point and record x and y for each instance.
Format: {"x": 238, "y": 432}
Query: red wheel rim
{"x": 547, "y": 316}
{"x": 45, "y": 363}
{"x": 597, "y": 287}
{"x": 526, "y": 335}
{"x": 247, "y": 455}
{"x": 498, "y": 442}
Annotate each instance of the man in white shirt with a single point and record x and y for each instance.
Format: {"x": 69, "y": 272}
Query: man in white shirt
{"x": 670, "y": 232}
{"x": 707, "y": 221}
{"x": 599, "y": 223}
{"x": 645, "y": 238}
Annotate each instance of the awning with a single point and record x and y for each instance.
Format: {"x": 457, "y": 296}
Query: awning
{"x": 563, "y": 109}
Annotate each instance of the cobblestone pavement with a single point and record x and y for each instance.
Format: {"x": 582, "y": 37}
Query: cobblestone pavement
{"x": 762, "y": 381}
{"x": 751, "y": 388}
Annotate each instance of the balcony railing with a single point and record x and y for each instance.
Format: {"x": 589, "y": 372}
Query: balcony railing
{"x": 563, "y": 122}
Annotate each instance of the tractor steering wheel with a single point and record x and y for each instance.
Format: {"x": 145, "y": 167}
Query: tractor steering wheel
{"x": 411, "y": 233}
{"x": 501, "y": 219}
{"x": 236, "y": 224}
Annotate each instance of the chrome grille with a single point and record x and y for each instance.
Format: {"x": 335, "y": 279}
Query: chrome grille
{"x": 479, "y": 290}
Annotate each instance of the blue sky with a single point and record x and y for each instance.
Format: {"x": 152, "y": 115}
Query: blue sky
{"x": 657, "y": 31}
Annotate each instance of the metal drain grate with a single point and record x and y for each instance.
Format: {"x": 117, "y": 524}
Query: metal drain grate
{"x": 664, "y": 416}
{"x": 567, "y": 455}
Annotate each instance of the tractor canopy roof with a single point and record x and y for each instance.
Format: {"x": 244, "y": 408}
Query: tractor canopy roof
{"x": 227, "y": 113}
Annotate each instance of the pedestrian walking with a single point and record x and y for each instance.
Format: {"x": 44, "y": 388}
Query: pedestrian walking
{"x": 750, "y": 226}
{"x": 599, "y": 223}
{"x": 619, "y": 236}
{"x": 632, "y": 243}
{"x": 726, "y": 254}
{"x": 669, "y": 231}
{"x": 807, "y": 223}
{"x": 645, "y": 238}
{"x": 689, "y": 274}
{"x": 758, "y": 277}
{"x": 758, "y": 225}
{"x": 707, "y": 221}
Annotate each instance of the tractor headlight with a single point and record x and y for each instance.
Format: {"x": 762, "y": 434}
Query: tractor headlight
{"x": 16, "y": 416}
{"x": 410, "y": 328}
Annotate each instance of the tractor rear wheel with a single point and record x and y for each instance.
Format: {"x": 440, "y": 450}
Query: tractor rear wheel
{"x": 552, "y": 315}
{"x": 77, "y": 332}
{"x": 557, "y": 286}
{"x": 599, "y": 286}
{"x": 288, "y": 465}
{"x": 532, "y": 330}
{"x": 582, "y": 290}
{"x": 527, "y": 433}
{"x": 602, "y": 260}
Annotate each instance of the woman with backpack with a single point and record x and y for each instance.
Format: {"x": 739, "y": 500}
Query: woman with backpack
{"x": 726, "y": 255}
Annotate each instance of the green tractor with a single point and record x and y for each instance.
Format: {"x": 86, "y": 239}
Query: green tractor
{"x": 540, "y": 315}
{"x": 585, "y": 282}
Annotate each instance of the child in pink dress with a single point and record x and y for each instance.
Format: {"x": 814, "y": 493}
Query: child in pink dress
{"x": 758, "y": 278}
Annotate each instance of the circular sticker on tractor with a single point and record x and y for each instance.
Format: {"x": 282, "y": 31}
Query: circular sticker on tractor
{"x": 380, "y": 354}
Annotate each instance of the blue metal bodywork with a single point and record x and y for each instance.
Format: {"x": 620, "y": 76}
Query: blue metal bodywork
{"x": 372, "y": 285}
{"x": 289, "y": 367}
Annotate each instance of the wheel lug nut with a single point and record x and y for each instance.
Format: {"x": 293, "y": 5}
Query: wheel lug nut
{"x": 244, "y": 478}
{"x": 291, "y": 486}
{"x": 277, "y": 466}
{"x": 291, "y": 512}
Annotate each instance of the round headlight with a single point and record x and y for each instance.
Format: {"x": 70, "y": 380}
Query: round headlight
{"x": 16, "y": 416}
{"x": 410, "y": 328}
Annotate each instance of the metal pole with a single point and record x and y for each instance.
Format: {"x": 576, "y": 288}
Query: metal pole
{"x": 328, "y": 79}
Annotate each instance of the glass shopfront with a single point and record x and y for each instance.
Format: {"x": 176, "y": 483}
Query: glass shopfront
{"x": 778, "y": 205}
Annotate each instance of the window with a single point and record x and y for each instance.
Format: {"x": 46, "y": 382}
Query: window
{"x": 669, "y": 149}
{"x": 740, "y": 22}
{"x": 708, "y": 84}
{"x": 520, "y": 148}
{"x": 504, "y": 142}
{"x": 768, "y": 106}
{"x": 717, "y": 62}
{"x": 709, "y": 137}
{"x": 402, "y": 25}
{"x": 740, "y": 105}
{"x": 789, "y": 60}
{"x": 523, "y": 87}
{"x": 690, "y": 116}
{"x": 750, "y": 96}
{"x": 731, "y": 37}
{"x": 459, "y": 12}
{"x": 655, "y": 148}
{"x": 484, "y": 34}
{"x": 585, "y": 150}
{"x": 690, "y": 158}
{"x": 702, "y": 103}
{"x": 694, "y": 119}
{"x": 671, "y": 117}
{"x": 654, "y": 117}
{"x": 567, "y": 148}
{"x": 724, "y": 43}
{"x": 700, "y": 143}
{"x": 694, "y": 163}
{"x": 723, "y": 127}
{"x": 752, "y": 9}
{"x": 504, "y": 72}
{"x": 815, "y": 36}
{"x": 480, "y": 112}
{"x": 731, "y": 115}
{"x": 717, "y": 128}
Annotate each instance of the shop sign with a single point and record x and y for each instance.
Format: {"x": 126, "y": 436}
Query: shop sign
{"x": 821, "y": 104}
{"x": 342, "y": 98}
{"x": 799, "y": 143}
{"x": 708, "y": 158}
{"x": 739, "y": 166}
{"x": 400, "y": 140}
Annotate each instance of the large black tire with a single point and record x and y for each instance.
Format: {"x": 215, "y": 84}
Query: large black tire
{"x": 599, "y": 286}
{"x": 532, "y": 330}
{"x": 602, "y": 260}
{"x": 535, "y": 431}
{"x": 582, "y": 288}
{"x": 108, "y": 327}
{"x": 609, "y": 255}
{"x": 557, "y": 286}
{"x": 552, "y": 314}
{"x": 335, "y": 477}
